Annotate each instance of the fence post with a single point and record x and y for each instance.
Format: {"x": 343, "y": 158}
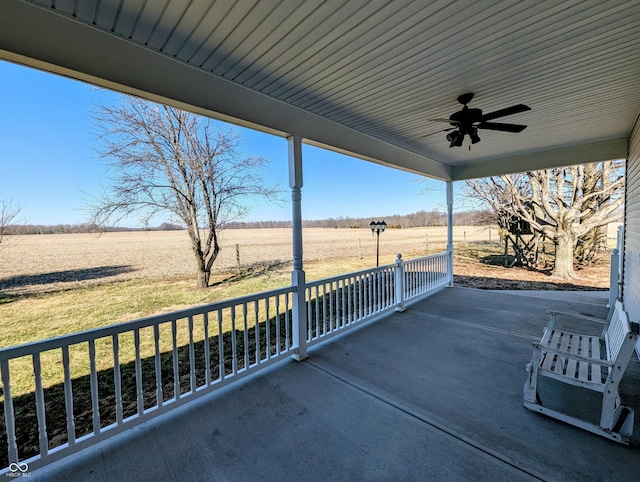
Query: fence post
{"x": 400, "y": 285}
{"x": 614, "y": 277}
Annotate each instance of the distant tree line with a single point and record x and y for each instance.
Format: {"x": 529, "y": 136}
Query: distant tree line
{"x": 418, "y": 219}
{"x": 24, "y": 229}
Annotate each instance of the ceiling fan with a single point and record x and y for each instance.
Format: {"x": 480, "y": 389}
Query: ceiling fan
{"x": 467, "y": 121}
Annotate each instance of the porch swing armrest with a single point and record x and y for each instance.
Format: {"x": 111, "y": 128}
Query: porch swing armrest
{"x": 576, "y": 315}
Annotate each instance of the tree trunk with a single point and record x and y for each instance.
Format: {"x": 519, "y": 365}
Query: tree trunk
{"x": 203, "y": 278}
{"x": 563, "y": 267}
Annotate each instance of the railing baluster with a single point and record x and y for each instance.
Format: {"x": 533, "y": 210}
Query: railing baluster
{"x": 176, "y": 365}
{"x": 366, "y": 308}
{"x": 385, "y": 289}
{"x": 317, "y": 305}
{"x": 221, "y": 367}
{"x": 376, "y": 291}
{"x": 278, "y": 328}
{"x": 234, "y": 341}
{"x": 324, "y": 308}
{"x": 427, "y": 275}
{"x": 267, "y": 331}
{"x": 343, "y": 296}
{"x": 117, "y": 382}
{"x": 207, "y": 349}
{"x": 245, "y": 336}
{"x": 366, "y": 286}
{"x": 68, "y": 396}
{"x": 95, "y": 402}
{"x": 331, "y": 307}
{"x": 388, "y": 293}
{"x": 40, "y": 411}
{"x": 256, "y": 310}
{"x": 351, "y": 299}
{"x": 347, "y": 295}
{"x": 369, "y": 286}
{"x": 158, "y": 366}
{"x": 192, "y": 357}
{"x": 360, "y": 285}
{"x": 308, "y": 293}
{"x": 415, "y": 278}
{"x": 392, "y": 286}
{"x": 363, "y": 295}
{"x": 356, "y": 306}
{"x": 9, "y": 416}
{"x": 286, "y": 322}
{"x": 138, "y": 366}
{"x": 435, "y": 274}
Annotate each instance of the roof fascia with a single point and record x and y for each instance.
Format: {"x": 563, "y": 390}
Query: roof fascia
{"x": 582, "y": 154}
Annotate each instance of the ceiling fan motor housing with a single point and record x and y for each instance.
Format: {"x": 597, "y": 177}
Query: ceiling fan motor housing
{"x": 465, "y": 118}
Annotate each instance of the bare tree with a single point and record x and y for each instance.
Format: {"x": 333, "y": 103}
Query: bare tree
{"x": 596, "y": 180}
{"x": 167, "y": 161}
{"x": 564, "y": 204}
{"x": 9, "y": 212}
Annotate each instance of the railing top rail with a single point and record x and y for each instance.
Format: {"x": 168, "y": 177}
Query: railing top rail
{"x": 349, "y": 275}
{"x": 95, "y": 333}
{"x": 430, "y": 256}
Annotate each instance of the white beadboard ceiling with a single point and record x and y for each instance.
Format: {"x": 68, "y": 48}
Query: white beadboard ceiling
{"x": 366, "y": 77}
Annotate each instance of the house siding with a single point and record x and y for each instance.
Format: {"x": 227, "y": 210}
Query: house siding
{"x": 631, "y": 263}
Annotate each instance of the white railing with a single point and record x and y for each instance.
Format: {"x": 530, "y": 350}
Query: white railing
{"x": 117, "y": 376}
{"x": 88, "y": 386}
{"x": 424, "y": 275}
{"x": 338, "y": 303}
{"x": 334, "y": 304}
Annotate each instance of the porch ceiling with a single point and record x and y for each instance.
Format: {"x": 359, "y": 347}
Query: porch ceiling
{"x": 365, "y": 76}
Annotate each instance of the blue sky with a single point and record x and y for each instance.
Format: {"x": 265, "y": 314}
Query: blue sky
{"x": 49, "y": 164}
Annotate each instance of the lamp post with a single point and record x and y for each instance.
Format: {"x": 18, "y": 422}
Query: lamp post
{"x": 377, "y": 227}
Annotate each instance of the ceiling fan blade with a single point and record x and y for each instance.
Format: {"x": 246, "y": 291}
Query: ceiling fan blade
{"x": 442, "y": 119}
{"x": 497, "y": 126}
{"x": 432, "y": 134}
{"x": 514, "y": 109}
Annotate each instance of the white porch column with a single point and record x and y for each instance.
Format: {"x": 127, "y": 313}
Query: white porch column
{"x": 298, "y": 278}
{"x": 450, "y": 232}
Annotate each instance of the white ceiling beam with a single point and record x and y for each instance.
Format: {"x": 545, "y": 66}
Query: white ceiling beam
{"x": 583, "y": 154}
{"x": 75, "y": 49}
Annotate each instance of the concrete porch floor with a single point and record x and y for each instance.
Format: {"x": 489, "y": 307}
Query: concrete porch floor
{"x": 434, "y": 393}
